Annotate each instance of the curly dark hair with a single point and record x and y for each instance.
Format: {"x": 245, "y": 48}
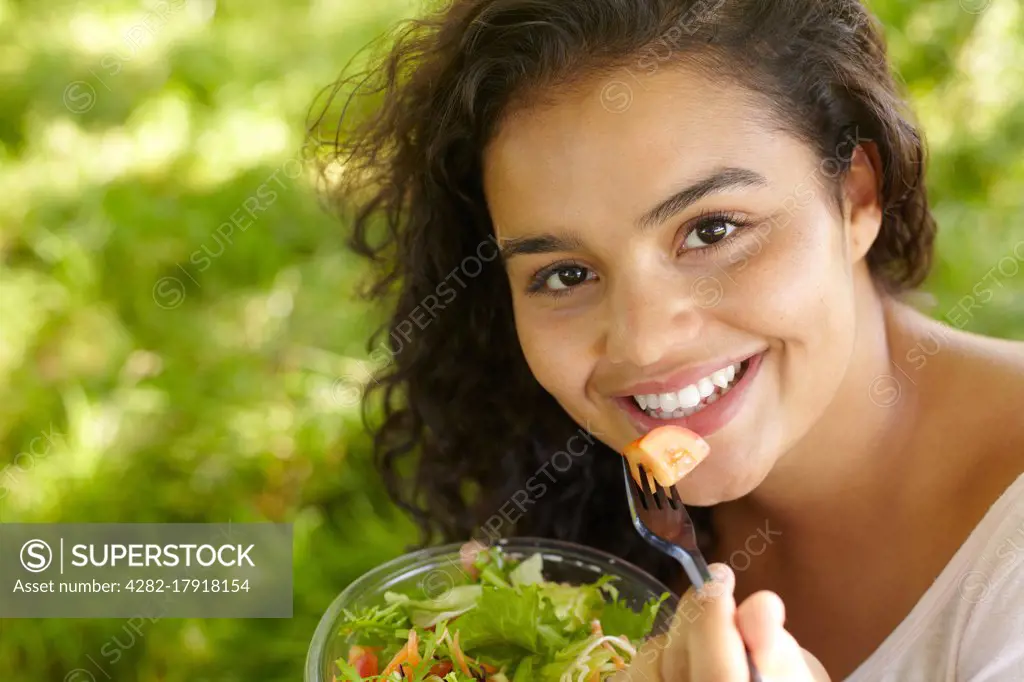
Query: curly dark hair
{"x": 467, "y": 435}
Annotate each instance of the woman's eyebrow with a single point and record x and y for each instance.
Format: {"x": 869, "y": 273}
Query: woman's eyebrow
{"x": 545, "y": 243}
{"x": 721, "y": 179}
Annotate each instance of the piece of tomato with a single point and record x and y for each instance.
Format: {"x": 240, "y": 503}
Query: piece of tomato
{"x": 468, "y": 554}
{"x": 441, "y": 669}
{"x": 668, "y": 453}
{"x": 364, "y": 660}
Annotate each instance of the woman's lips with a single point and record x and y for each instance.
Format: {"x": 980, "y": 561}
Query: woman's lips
{"x": 712, "y": 417}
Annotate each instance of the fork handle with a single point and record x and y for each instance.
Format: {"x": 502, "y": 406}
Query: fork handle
{"x": 755, "y": 676}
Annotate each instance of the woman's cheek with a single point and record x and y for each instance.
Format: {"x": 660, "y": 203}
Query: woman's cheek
{"x": 554, "y": 352}
{"x": 796, "y": 295}
{"x": 781, "y": 282}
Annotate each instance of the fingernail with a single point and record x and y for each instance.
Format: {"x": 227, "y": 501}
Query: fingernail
{"x": 721, "y": 583}
{"x": 722, "y": 573}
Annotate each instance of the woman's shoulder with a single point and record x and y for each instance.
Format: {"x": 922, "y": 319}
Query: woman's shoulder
{"x": 981, "y": 379}
{"x": 996, "y": 369}
{"x": 992, "y": 375}
{"x": 989, "y": 384}
{"x": 932, "y": 353}
{"x": 993, "y": 384}
{"x": 1002, "y": 356}
{"x": 974, "y": 387}
{"x": 989, "y": 354}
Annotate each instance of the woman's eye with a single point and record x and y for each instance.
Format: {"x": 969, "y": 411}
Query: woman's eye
{"x": 567, "y": 277}
{"x": 708, "y": 233}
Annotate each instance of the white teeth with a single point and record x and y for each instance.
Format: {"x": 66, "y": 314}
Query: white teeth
{"x": 705, "y": 387}
{"x": 689, "y": 400}
{"x": 689, "y": 396}
{"x": 669, "y": 401}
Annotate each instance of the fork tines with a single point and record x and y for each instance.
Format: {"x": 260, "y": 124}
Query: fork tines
{"x": 662, "y": 498}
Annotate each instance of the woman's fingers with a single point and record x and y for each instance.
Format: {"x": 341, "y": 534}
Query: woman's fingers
{"x": 777, "y": 655}
{"x": 760, "y": 619}
{"x": 701, "y": 620}
{"x": 818, "y": 672}
{"x": 709, "y": 637}
{"x": 714, "y": 647}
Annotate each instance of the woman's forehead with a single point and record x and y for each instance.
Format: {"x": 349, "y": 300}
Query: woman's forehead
{"x": 560, "y": 160}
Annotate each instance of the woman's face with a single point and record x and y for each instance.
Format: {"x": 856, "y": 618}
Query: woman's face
{"x": 675, "y": 259}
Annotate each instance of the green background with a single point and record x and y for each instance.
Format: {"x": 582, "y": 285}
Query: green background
{"x": 209, "y": 390}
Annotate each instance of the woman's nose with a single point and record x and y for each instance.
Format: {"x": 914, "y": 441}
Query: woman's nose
{"x": 648, "y": 322}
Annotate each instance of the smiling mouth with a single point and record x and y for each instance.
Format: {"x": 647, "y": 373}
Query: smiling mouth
{"x": 695, "y": 397}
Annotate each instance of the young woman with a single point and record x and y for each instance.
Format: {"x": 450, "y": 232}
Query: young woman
{"x": 708, "y": 213}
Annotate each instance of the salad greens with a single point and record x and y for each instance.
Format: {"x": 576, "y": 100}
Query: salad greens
{"x": 506, "y": 624}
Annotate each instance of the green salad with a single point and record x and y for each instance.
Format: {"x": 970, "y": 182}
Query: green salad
{"x": 505, "y": 624}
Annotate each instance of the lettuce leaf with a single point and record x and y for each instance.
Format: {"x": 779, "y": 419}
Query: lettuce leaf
{"x": 425, "y": 613}
{"x": 528, "y": 572}
{"x": 619, "y": 619}
{"x": 573, "y": 607}
{"x": 524, "y": 671}
{"x": 504, "y": 655}
{"x": 502, "y": 615}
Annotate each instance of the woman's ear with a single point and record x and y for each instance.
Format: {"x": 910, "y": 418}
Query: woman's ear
{"x": 862, "y": 199}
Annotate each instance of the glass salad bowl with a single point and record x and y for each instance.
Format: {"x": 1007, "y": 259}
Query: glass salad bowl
{"x": 435, "y": 576}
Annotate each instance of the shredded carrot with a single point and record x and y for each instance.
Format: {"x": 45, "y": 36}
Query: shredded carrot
{"x": 407, "y": 657}
{"x": 459, "y": 657}
{"x": 393, "y": 664}
{"x": 414, "y": 653}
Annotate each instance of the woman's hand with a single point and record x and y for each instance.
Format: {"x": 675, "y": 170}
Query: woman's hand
{"x": 707, "y": 638}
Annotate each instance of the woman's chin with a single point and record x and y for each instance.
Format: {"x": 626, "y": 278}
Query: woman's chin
{"x": 715, "y": 482}
{"x": 710, "y": 497}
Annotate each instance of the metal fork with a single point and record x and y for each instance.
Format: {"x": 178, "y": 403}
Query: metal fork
{"x": 661, "y": 519}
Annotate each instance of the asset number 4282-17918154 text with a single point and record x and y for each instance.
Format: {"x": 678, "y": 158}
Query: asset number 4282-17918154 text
{"x": 159, "y": 585}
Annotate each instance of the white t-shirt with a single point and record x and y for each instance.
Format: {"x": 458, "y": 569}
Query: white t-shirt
{"x": 969, "y": 625}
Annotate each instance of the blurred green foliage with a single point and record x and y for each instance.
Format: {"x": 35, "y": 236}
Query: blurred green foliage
{"x": 180, "y": 345}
